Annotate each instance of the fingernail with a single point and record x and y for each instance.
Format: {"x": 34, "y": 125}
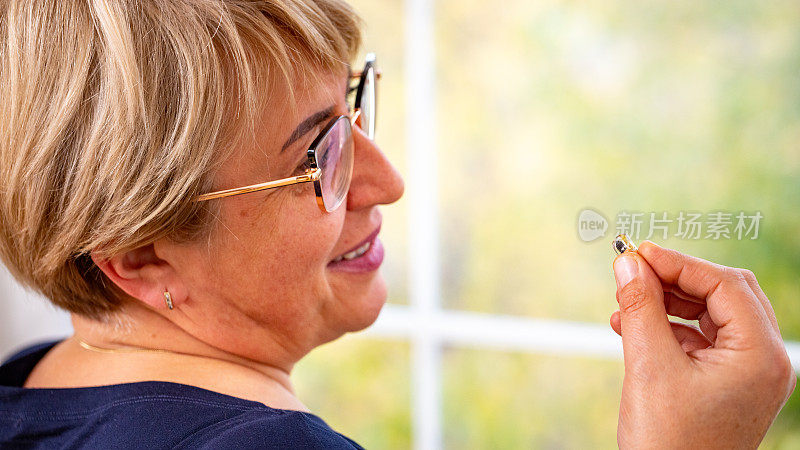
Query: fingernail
{"x": 625, "y": 269}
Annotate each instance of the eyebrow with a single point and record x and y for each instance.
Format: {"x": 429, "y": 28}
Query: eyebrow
{"x": 307, "y": 125}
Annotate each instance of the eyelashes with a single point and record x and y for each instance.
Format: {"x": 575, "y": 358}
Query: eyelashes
{"x": 303, "y": 167}
{"x": 350, "y": 97}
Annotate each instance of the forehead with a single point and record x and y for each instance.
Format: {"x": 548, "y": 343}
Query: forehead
{"x": 287, "y": 107}
{"x": 259, "y": 152}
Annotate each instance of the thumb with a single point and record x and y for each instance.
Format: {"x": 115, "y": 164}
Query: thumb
{"x": 646, "y": 331}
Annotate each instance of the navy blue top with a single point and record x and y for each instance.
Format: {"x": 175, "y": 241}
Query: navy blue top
{"x": 148, "y": 414}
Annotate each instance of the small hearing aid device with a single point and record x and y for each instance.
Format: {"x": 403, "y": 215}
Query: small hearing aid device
{"x": 622, "y": 243}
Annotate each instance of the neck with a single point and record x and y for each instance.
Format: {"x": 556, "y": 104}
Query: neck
{"x": 186, "y": 359}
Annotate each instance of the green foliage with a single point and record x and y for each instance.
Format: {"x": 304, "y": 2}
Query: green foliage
{"x": 361, "y": 389}
{"x": 514, "y": 401}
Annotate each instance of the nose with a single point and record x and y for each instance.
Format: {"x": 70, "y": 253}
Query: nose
{"x": 375, "y": 180}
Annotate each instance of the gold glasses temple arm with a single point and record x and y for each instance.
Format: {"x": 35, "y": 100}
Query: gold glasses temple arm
{"x": 312, "y": 175}
{"x": 358, "y": 74}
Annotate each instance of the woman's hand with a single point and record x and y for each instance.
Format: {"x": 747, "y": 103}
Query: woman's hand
{"x": 719, "y": 386}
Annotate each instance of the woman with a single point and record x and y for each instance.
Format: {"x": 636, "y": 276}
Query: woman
{"x": 188, "y": 179}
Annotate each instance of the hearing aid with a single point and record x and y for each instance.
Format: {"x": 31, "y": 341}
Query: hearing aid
{"x": 623, "y": 243}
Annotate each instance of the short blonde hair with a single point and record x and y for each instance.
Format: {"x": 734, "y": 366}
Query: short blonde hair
{"x": 114, "y": 114}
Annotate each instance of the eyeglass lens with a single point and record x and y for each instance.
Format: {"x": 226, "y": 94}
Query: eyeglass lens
{"x": 334, "y": 153}
{"x": 334, "y": 156}
{"x": 367, "y": 104}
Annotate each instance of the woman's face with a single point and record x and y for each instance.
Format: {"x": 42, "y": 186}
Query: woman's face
{"x": 268, "y": 275}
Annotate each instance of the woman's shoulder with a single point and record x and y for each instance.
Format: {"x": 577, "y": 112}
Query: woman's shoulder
{"x": 156, "y": 415}
{"x": 16, "y": 367}
{"x": 148, "y": 414}
{"x": 254, "y": 429}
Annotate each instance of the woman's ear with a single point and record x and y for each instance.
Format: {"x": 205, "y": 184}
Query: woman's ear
{"x": 143, "y": 275}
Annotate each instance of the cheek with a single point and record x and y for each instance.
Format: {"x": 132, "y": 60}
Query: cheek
{"x": 279, "y": 253}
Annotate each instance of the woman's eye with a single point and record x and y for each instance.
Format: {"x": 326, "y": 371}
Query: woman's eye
{"x": 303, "y": 167}
{"x": 323, "y": 161}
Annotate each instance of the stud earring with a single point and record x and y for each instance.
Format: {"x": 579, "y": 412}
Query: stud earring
{"x": 168, "y": 298}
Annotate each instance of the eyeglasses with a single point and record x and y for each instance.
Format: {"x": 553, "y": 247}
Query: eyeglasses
{"x": 330, "y": 156}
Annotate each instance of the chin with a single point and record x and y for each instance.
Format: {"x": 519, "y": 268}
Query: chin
{"x": 366, "y": 308}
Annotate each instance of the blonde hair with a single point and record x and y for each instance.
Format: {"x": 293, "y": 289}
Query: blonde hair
{"x": 114, "y": 114}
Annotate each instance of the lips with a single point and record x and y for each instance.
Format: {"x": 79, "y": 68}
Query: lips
{"x": 360, "y": 247}
{"x": 366, "y": 256}
{"x": 355, "y": 253}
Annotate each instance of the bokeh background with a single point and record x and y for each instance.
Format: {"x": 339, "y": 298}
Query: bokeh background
{"x": 540, "y": 110}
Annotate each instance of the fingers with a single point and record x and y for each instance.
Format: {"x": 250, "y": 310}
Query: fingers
{"x": 708, "y": 327}
{"x": 615, "y": 323}
{"x": 751, "y": 281}
{"x": 689, "y": 337}
{"x": 730, "y": 301}
{"x": 645, "y": 329}
{"x": 750, "y": 277}
{"x": 685, "y": 309}
{"x": 690, "y": 310}
{"x": 679, "y": 304}
{"x": 678, "y": 292}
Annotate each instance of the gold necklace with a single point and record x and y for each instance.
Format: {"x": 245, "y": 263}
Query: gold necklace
{"x": 97, "y": 349}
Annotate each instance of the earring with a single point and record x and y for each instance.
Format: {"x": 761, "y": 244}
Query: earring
{"x": 168, "y": 298}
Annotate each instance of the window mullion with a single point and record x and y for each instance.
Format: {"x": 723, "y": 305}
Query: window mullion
{"x": 422, "y": 197}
